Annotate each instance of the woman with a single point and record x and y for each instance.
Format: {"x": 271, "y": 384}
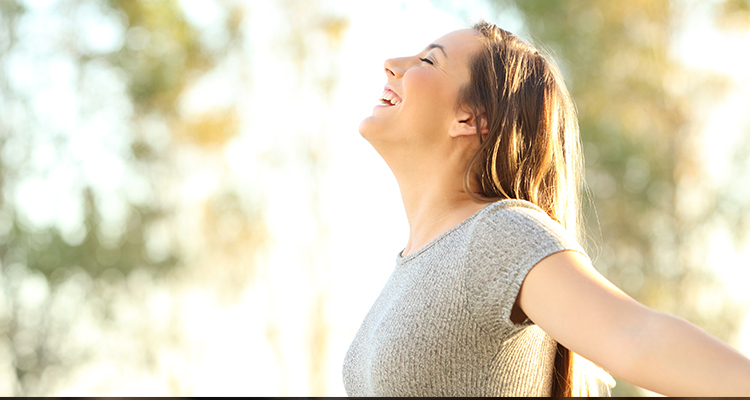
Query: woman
{"x": 482, "y": 137}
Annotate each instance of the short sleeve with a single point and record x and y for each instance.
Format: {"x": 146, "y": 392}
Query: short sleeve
{"x": 504, "y": 245}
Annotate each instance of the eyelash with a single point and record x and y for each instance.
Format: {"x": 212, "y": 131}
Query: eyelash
{"x": 427, "y": 60}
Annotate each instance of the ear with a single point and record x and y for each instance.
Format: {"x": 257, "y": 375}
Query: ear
{"x": 466, "y": 123}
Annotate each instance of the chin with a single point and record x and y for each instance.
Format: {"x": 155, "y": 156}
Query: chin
{"x": 366, "y": 128}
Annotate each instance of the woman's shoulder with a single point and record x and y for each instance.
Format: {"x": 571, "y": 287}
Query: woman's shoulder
{"x": 517, "y": 223}
{"x": 504, "y": 242}
{"x": 515, "y": 212}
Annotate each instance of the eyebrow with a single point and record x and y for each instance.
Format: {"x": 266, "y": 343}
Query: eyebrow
{"x": 436, "y": 46}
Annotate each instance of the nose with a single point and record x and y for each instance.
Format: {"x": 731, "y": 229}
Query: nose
{"x": 394, "y": 67}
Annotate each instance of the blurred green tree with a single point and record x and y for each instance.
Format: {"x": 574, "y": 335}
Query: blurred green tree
{"x": 648, "y": 214}
{"x": 128, "y": 62}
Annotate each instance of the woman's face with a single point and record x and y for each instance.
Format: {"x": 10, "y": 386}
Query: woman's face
{"x": 418, "y": 105}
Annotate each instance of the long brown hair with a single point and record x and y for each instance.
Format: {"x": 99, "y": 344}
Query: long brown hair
{"x": 532, "y": 148}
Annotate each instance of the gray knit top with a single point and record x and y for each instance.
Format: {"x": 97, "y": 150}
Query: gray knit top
{"x": 441, "y": 325}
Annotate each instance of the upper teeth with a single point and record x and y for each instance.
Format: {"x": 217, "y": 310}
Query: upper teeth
{"x": 390, "y": 97}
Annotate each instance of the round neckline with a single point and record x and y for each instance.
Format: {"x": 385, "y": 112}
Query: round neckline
{"x": 506, "y": 203}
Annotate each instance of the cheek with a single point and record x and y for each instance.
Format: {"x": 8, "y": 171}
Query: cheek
{"x": 429, "y": 94}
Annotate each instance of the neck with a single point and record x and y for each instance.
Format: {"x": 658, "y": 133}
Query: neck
{"x": 434, "y": 201}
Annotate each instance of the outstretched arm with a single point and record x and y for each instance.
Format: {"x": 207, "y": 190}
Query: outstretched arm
{"x": 579, "y": 308}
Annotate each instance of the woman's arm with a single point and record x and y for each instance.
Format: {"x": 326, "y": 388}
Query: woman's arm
{"x": 574, "y": 304}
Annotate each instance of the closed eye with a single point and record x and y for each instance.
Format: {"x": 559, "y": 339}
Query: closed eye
{"x": 427, "y": 60}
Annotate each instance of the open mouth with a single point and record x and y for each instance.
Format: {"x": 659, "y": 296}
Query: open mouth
{"x": 390, "y": 98}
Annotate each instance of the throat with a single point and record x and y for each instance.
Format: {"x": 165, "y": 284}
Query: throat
{"x": 429, "y": 224}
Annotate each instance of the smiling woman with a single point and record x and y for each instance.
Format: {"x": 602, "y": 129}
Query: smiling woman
{"x": 421, "y": 99}
{"x": 492, "y": 287}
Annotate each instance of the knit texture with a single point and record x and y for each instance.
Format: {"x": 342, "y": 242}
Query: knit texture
{"x": 441, "y": 325}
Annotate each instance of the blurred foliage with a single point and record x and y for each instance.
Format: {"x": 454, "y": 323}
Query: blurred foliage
{"x": 233, "y": 235}
{"x": 134, "y": 69}
{"x": 648, "y": 213}
{"x": 312, "y": 39}
{"x": 160, "y": 52}
{"x": 212, "y": 128}
{"x": 312, "y": 32}
{"x": 734, "y": 14}
{"x": 41, "y": 267}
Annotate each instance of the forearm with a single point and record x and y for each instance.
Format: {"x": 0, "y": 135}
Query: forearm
{"x": 674, "y": 357}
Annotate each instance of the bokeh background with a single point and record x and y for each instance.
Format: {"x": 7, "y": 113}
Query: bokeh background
{"x": 188, "y": 209}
